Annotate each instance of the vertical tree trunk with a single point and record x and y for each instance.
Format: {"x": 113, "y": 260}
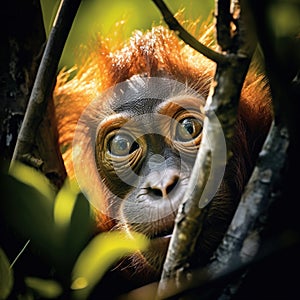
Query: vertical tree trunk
{"x": 22, "y": 41}
{"x": 23, "y": 45}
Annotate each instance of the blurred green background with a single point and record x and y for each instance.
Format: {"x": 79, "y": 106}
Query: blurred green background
{"x": 101, "y": 16}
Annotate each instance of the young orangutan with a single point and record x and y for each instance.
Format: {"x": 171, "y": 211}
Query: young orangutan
{"x": 138, "y": 106}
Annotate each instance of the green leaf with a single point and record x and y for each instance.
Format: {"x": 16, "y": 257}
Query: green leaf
{"x": 33, "y": 178}
{"x": 81, "y": 228}
{"x": 64, "y": 204}
{"x": 49, "y": 289}
{"x": 6, "y": 276}
{"x": 104, "y": 250}
{"x": 28, "y": 212}
{"x": 72, "y": 215}
{"x": 59, "y": 228}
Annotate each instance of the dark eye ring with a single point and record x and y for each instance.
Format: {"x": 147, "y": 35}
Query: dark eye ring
{"x": 188, "y": 129}
{"x": 122, "y": 145}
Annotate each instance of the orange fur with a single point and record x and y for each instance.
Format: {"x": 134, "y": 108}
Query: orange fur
{"x": 159, "y": 53}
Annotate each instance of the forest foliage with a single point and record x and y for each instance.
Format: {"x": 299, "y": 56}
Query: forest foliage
{"x": 48, "y": 247}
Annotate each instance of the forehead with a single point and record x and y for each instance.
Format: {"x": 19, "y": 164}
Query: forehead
{"x": 142, "y": 95}
{"x": 140, "y": 106}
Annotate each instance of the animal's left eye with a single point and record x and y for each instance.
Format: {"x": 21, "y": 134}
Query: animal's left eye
{"x": 188, "y": 129}
{"x": 122, "y": 145}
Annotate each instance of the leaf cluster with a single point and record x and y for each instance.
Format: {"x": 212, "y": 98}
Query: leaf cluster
{"x": 58, "y": 233}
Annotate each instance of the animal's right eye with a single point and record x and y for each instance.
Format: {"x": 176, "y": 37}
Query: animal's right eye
{"x": 122, "y": 145}
{"x": 188, "y": 129}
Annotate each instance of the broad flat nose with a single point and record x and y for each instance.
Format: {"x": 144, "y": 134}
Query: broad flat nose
{"x": 161, "y": 183}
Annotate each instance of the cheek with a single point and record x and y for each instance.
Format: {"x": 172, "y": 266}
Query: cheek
{"x": 112, "y": 182}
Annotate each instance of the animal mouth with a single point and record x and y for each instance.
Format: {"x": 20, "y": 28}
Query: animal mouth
{"x": 161, "y": 240}
{"x": 167, "y": 236}
{"x": 163, "y": 234}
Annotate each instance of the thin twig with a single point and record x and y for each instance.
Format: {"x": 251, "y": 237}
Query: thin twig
{"x": 19, "y": 254}
{"x": 186, "y": 36}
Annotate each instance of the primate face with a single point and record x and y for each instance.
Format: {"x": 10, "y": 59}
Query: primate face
{"x": 142, "y": 152}
{"x": 143, "y": 149}
{"x": 147, "y": 156}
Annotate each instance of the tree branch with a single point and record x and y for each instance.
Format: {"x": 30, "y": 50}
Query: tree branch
{"x": 223, "y": 19}
{"x": 239, "y": 246}
{"x": 43, "y": 85}
{"x": 185, "y": 36}
{"x": 221, "y": 115}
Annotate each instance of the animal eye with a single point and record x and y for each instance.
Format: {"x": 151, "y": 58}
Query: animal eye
{"x": 122, "y": 145}
{"x": 188, "y": 129}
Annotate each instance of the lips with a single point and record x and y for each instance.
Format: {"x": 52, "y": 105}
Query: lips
{"x": 163, "y": 234}
{"x": 167, "y": 236}
{"x": 159, "y": 244}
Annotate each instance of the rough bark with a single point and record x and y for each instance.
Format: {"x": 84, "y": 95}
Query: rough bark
{"x": 221, "y": 115}
{"x": 22, "y": 43}
{"x": 37, "y": 141}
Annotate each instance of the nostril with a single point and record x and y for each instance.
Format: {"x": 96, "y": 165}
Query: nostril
{"x": 171, "y": 185}
{"x": 156, "y": 192}
{"x": 164, "y": 187}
